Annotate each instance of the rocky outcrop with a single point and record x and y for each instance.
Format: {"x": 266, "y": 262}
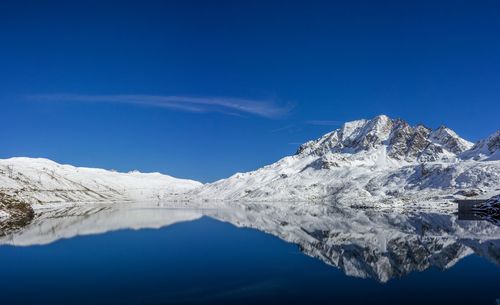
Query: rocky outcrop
{"x": 15, "y": 214}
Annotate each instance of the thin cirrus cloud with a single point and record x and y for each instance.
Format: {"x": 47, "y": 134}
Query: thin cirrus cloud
{"x": 323, "y": 123}
{"x": 298, "y": 126}
{"x": 227, "y": 105}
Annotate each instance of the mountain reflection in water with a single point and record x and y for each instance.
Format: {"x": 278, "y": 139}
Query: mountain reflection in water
{"x": 363, "y": 243}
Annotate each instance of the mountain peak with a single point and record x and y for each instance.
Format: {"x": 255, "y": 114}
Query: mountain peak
{"x": 352, "y": 137}
{"x": 488, "y": 148}
{"x": 449, "y": 139}
{"x": 403, "y": 142}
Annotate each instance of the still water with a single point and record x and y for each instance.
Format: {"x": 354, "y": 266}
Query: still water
{"x": 250, "y": 256}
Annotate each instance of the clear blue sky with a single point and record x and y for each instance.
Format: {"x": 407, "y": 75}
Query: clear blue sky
{"x": 204, "y": 89}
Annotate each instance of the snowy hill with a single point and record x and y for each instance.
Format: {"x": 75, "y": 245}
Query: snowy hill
{"x": 380, "y": 160}
{"x": 42, "y": 181}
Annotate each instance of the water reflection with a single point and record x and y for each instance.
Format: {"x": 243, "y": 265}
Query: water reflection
{"x": 372, "y": 243}
{"x": 364, "y": 243}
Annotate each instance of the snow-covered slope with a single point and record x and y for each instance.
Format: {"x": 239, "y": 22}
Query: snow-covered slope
{"x": 382, "y": 160}
{"x": 41, "y": 181}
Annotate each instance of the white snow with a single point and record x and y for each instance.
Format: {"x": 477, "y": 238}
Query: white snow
{"x": 4, "y": 215}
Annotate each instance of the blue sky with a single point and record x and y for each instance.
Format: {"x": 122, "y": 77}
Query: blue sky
{"x": 204, "y": 89}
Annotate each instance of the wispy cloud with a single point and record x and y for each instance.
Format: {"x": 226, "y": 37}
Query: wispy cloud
{"x": 299, "y": 126}
{"x": 323, "y": 123}
{"x": 284, "y": 128}
{"x": 227, "y": 105}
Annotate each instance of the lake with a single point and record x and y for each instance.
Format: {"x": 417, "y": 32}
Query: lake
{"x": 257, "y": 254}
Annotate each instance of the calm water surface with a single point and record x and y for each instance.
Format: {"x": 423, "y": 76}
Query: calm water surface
{"x": 207, "y": 261}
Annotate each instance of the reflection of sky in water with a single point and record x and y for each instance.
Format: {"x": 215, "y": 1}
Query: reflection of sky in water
{"x": 206, "y": 260}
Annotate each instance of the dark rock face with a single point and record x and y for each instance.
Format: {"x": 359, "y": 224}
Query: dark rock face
{"x": 407, "y": 142}
{"x": 494, "y": 142}
{"x": 20, "y": 213}
{"x": 469, "y": 192}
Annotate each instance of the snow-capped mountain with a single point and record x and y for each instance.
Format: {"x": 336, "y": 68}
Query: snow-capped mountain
{"x": 384, "y": 160}
{"x": 402, "y": 141}
{"x": 42, "y": 181}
